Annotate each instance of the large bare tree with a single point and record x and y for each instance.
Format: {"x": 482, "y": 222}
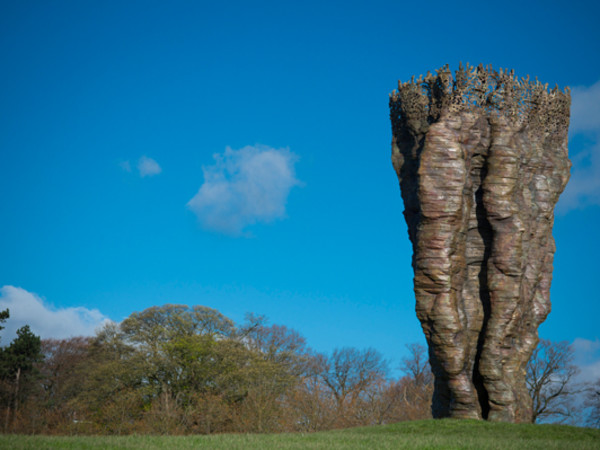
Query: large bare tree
{"x": 550, "y": 380}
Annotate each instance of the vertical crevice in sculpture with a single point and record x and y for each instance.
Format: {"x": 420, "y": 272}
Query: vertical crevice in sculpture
{"x": 482, "y": 159}
{"x": 480, "y": 266}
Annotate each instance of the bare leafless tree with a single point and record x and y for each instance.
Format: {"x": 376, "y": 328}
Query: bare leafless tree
{"x": 550, "y": 381}
{"x": 416, "y": 388}
{"x": 349, "y": 371}
{"x": 592, "y": 401}
{"x": 416, "y": 365}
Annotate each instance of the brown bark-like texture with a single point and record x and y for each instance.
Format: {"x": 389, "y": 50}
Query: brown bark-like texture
{"x": 482, "y": 158}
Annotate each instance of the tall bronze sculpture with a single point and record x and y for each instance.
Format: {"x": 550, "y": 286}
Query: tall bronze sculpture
{"x": 482, "y": 158}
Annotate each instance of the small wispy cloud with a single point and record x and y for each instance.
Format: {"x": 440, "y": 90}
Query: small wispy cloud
{"x": 125, "y": 165}
{"x": 26, "y": 308}
{"x": 583, "y": 188}
{"x": 148, "y": 167}
{"x": 244, "y": 187}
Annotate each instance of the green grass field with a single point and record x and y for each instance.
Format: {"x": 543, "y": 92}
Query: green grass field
{"x": 421, "y": 434}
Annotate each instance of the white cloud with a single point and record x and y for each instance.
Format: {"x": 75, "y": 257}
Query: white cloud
{"x": 583, "y": 188}
{"x": 587, "y": 357}
{"x": 148, "y": 167}
{"x": 585, "y": 347}
{"x": 244, "y": 187}
{"x": 585, "y": 108}
{"x": 27, "y": 308}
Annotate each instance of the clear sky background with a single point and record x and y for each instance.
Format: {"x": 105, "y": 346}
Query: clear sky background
{"x": 237, "y": 155}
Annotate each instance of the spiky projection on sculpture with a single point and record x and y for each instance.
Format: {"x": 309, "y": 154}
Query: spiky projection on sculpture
{"x": 482, "y": 159}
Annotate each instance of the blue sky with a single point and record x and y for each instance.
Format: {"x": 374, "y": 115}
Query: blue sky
{"x": 237, "y": 155}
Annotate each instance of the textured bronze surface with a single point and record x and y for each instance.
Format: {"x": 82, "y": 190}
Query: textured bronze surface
{"x": 482, "y": 159}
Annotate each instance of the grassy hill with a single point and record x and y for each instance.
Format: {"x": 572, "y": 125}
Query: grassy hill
{"x": 421, "y": 434}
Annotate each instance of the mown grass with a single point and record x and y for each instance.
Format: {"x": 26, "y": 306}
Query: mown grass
{"x": 447, "y": 433}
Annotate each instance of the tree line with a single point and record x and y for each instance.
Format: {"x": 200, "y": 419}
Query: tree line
{"x": 176, "y": 369}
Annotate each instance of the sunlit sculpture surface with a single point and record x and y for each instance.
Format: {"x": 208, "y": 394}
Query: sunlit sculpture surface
{"x": 482, "y": 158}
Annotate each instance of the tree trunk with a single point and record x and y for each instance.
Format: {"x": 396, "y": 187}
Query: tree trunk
{"x": 14, "y": 400}
{"x": 481, "y": 160}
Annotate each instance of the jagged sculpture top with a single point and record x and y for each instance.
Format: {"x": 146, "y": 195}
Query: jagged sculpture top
{"x": 524, "y": 102}
{"x": 482, "y": 159}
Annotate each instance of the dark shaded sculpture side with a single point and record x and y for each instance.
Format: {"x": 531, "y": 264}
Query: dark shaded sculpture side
{"x": 482, "y": 159}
